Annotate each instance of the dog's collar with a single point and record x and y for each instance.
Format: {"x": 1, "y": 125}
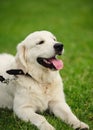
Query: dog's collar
{"x": 2, "y": 78}
{"x": 16, "y": 72}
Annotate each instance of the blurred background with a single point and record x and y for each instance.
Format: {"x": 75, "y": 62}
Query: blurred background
{"x": 71, "y": 21}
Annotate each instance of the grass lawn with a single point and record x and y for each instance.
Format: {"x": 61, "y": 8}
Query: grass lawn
{"x": 72, "y": 22}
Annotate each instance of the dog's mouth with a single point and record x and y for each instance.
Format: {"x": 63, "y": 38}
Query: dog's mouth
{"x": 51, "y": 63}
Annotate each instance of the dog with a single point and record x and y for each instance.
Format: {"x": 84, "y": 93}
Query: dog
{"x": 30, "y": 82}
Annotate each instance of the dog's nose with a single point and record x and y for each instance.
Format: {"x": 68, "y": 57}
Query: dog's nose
{"x": 58, "y": 48}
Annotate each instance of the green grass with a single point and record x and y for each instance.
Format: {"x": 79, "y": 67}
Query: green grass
{"x": 72, "y": 22}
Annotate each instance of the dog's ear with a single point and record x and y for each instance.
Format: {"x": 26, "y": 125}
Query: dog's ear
{"x": 21, "y": 56}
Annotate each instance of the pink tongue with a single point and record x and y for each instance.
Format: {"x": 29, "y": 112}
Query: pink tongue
{"x": 57, "y": 63}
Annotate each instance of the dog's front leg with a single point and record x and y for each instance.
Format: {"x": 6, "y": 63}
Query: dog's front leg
{"x": 63, "y": 111}
{"x": 26, "y": 113}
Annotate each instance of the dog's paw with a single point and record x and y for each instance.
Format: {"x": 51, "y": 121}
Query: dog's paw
{"x": 82, "y": 126}
{"x": 46, "y": 126}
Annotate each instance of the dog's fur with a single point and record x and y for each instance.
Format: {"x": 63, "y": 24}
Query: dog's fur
{"x": 42, "y": 90}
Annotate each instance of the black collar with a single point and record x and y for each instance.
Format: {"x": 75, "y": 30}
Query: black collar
{"x": 2, "y": 78}
{"x": 16, "y": 72}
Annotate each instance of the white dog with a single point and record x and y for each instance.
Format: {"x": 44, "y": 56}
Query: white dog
{"x": 30, "y": 82}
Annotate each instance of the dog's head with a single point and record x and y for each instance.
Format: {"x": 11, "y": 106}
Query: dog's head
{"x": 40, "y": 49}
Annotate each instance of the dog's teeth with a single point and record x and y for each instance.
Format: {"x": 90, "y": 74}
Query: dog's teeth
{"x": 46, "y": 61}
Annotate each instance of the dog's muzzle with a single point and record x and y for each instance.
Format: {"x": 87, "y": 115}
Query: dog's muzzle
{"x": 58, "y": 48}
{"x": 52, "y": 62}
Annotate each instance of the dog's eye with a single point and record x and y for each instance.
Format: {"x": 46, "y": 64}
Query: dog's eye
{"x": 41, "y": 42}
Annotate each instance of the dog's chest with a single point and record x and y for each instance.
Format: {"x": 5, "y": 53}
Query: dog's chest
{"x": 41, "y": 96}
{"x": 38, "y": 94}
{"x": 44, "y": 96}
{"x": 47, "y": 89}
